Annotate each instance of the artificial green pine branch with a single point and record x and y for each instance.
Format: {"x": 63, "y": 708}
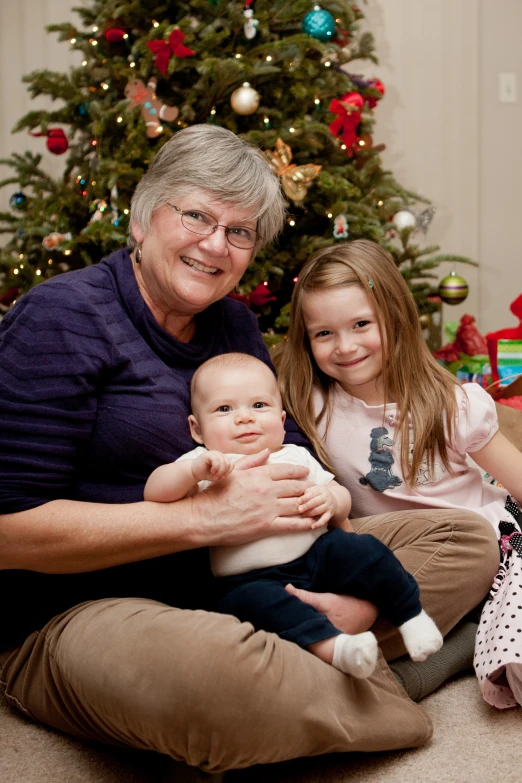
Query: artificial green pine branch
{"x": 296, "y": 76}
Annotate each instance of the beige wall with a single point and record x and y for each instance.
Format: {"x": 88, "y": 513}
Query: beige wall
{"x": 449, "y": 138}
{"x": 446, "y": 134}
{"x": 25, "y": 46}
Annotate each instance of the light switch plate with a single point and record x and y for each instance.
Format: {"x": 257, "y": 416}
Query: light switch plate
{"x": 507, "y": 87}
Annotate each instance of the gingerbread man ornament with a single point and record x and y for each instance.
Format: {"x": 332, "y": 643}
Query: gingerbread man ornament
{"x": 152, "y": 109}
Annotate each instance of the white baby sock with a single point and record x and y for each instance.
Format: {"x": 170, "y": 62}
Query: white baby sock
{"x": 421, "y": 636}
{"x": 355, "y": 655}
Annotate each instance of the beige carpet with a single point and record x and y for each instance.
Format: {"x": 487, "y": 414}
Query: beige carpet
{"x": 473, "y": 743}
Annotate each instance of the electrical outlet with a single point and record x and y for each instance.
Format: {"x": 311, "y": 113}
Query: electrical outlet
{"x": 507, "y": 87}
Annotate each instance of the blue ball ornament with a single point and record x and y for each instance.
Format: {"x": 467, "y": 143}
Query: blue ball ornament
{"x": 18, "y": 200}
{"x": 319, "y": 24}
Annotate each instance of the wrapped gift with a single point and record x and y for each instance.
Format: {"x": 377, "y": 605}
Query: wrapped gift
{"x": 505, "y": 349}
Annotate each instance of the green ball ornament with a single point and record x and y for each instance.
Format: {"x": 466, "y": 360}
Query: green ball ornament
{"x": 319, "y": 24}
{"x": 453, "y": 289}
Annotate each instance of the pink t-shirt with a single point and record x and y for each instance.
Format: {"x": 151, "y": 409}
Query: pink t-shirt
{"x": 365, "y": 457}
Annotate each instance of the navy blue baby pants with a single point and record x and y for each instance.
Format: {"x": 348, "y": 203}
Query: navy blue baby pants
{"x": 337, "y": 562}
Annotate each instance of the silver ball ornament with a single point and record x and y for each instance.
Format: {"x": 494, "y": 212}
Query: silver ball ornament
{"x": 404, "y": 219}
{"x": 245, "y": 99}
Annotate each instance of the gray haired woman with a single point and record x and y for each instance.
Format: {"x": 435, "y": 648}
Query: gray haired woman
{"x": 106, "y": 631}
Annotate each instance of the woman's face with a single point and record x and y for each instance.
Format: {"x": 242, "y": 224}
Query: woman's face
{"x": 182, "y": 273}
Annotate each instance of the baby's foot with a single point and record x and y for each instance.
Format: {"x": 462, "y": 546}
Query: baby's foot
{"x": 421, "y": 636}
{"x": 355, "y": 655}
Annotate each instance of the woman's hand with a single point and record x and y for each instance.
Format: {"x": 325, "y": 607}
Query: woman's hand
{"x": 254, "y": 501}
{"x": 348, "y": 614}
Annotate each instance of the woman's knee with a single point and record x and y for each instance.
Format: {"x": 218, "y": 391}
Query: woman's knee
{"x": 475, "y": 539}
{"x": 205, "y": 688}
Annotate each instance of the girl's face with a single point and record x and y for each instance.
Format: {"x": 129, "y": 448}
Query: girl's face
{"x": 345, "y": 340}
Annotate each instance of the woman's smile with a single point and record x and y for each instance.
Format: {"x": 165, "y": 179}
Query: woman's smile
{"x": 209, "y": 270}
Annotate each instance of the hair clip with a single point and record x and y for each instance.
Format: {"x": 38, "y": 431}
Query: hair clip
{"x": 370, "y": 282}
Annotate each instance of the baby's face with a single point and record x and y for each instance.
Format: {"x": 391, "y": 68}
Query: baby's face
{"x": 238, "y": 410}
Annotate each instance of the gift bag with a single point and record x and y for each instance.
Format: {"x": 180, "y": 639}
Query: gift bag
{"x": 505, "y": 349}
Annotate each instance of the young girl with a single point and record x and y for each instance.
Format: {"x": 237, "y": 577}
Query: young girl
{"x": 396, "y": 428}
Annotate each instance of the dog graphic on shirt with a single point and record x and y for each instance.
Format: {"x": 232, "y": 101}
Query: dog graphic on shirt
{"x": 381, "y": 459}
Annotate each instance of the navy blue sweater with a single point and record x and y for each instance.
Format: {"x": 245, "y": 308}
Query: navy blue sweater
{"x": 94, "y": 395}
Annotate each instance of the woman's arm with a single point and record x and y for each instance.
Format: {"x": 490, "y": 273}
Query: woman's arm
{"x": 502, "y": 460}
{"x": 66, "y": 536}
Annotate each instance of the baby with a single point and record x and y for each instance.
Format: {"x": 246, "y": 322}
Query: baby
{"x": 237, "y": 411}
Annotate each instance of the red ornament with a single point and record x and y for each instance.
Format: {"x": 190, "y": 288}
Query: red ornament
{"x": 163, "y": 51}
{"x": 56, "y": 140}
{"x": 379, "y": 86}
{"x": 342, "y": 37}
{"x": 7, "y": 299}
{"x": 349, "y": 110}
{"x": 114, "y": 34}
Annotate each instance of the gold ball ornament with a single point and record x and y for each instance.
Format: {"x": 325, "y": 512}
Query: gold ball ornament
{"x": 453, "y": 289}
{"x": 245, "y": 99}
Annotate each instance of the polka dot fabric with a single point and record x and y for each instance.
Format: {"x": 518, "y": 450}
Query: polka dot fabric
{"x": 499, "y": 635}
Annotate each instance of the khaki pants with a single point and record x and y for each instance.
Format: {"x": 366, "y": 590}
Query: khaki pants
{"x": 207, "y": 689}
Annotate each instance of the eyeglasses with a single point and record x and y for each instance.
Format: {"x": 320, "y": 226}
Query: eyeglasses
{"x": 204, "y": 224}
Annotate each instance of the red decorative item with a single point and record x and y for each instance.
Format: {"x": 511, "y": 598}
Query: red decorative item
{"x": 513, "y": 333}
{"x": 260, "y": 296}
{"x": 7, "y": 299}
{"x": 513, "y": 402}
{"x": 163, "y": 51}
{"x": 349, "y": 109}
{"x": 377, "y": 85}
{"x": 448, "y": 353}
{"x": 342, "y": 38}
{"x": 468, "y": 341}
{"x": 56, "y": 140}
{"x": 113, "y": 33}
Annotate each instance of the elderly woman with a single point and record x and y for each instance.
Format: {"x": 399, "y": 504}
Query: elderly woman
{"x": 106, "y": 632}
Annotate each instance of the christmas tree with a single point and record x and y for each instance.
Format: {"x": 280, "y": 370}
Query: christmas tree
{"x": 276, "y": 73}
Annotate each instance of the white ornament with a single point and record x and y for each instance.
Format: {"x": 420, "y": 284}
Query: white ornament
{"x": 404, "y": 219}
{"x": 250, "y": 26}
{"x": 341, "y": 229}
{"x": 245, "y": 99}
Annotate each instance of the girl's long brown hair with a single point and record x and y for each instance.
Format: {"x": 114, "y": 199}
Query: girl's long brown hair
{"x": 424, "y": 392}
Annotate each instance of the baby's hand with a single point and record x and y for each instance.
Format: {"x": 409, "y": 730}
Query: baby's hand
{"x": 318, "y": 502}
{"x": 211, "y": 466}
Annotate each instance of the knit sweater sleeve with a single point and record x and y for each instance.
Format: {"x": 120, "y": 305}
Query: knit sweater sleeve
{"x": 52, "y": 355}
